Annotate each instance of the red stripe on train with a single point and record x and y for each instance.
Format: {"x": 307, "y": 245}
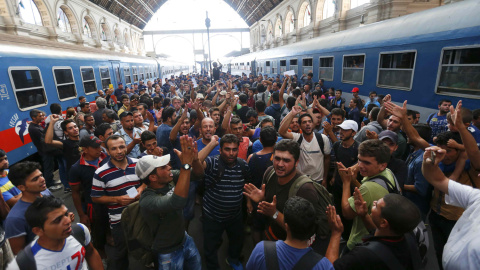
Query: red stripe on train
{"x": 10, "y": 140}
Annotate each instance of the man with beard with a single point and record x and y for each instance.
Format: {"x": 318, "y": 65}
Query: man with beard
{"x": 225, "y": 176}
{"x": 70, "y": 145}
{"x": 314, "y": 159}
{"x": 275, "y": 191}
{"x": 130, "y": 134}
{"x": 110, "y": 184}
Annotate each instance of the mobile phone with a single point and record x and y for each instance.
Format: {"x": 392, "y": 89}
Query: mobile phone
{"x": 433, "y": 155}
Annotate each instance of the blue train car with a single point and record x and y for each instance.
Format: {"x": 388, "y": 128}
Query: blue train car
{"x": 33, "y": 77}
{"x": 422, "y": 57}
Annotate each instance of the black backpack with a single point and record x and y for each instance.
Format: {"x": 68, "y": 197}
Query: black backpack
{"x": 307, "y": 261}
{"x": 385, "y": 183}
{"x": 319, "y": 138}
{"x": 26, "y": 260}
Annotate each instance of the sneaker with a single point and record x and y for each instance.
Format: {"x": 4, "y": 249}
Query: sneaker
{"x": 234, "y": 266}
{"x": 67, "y": 190}
{"x": 57, "y": 182}
{"x": 55, "y": 187}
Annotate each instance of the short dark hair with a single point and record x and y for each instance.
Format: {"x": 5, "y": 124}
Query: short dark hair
{"x": 235, "y": 120}
{"x": 444, "y": 137}
{"x": 145, "y": 107}
{"x": 101, "y": 129}
{"x": 113, "y": 137}
{"x": 276, "y": 97}
{"x": 147, "y": 135}
{"x": 372, "y": 93}
{"x": 64, "y": 124}
{"x": 424, "y": 130}
{"x": 291, "y": 102}
{"x": 339, "y": 90}
{"x": 81, "y": 97}
{"x": 296, "y": 92}
{"x": 124, "y": 96}
{"x": 56, "y": 108}
{"x": 444, "y": 100}
{"x": 300, "y": 216}
{"x": 37, "y": 213}
{"x": 338, "y": 111}
{"x": 243, "y": 98}
{"x": 109, "y": 113}
{"x": 87, "y": 115}
{"x": 260, "y": 105}
{"x": 166, "y": 102}
{"x": 229, "y": 138}
{"x": 376, "y": 149}
{"x": 135, "y": 96}
{"x": 18, "y": 173}
{"x": 289, "y": 145}
{"x": 268, "y": 136}
{"x": 303, "y": 116}
{"x": 167, "y": 113}
{"x": 467, "y": 115}
{"x": 373, "y": 113}
{"x": 265, "y": 120}
{"x": 476, "y": 114}
{"x": 260, "y": 88}
{"x": 401, "y": 213}
{"x": 2, "y": 153}
{"x": 35, "y": 113}
{"x": 412, "y": 114}
{"x": 310, "y": 74}
{"x": 251, "y": 113}
{"x": 317, "y": 94}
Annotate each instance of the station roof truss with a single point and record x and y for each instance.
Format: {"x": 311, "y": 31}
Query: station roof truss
{"x": 139, "y": 12}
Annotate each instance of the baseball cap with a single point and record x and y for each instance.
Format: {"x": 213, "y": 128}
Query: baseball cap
{"x": 388, "y": 134}
{"x": 148, "y": 163}
{"x": 223, "y": 93}
{"x": 120, "y": 83}
{"x": 355, "y": 90}
{"x": 135, "y": 83}
{"x": 200, "y": 96}
{"x": 349, "y": 124}
{"x": 90, "y": 141}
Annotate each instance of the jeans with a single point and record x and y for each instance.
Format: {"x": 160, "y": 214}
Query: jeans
{"x": 48, "y": 166}
{"x": 187, "y": 257}
{"x": 62, "y": 171}
{"x": 441, "y": 228}
{"x": 119, "y": 258}
{"x": 212, "y": 235}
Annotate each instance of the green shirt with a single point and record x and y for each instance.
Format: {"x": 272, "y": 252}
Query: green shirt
{"x": 371, "y": 192}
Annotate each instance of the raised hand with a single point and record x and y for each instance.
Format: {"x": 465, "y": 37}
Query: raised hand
{"x": 457, "y": 115}
{"x": 346, "y": 174}
{"x": 252, "y": 192}
{"x": 387, "y": 98}
{"x": 54, "y": 118}
{"x": 334, "y": 221}
{"x": 360, "y": 204}
{"x": 268, "y": 209}
{"x": 434, "y": 155}
{"x": 371, "y": 135}
{"x": 400, "y": 112}
{"x": 188, "y": 151}
{"x": 296, "y": 110}
{"x": 327, "y": 127}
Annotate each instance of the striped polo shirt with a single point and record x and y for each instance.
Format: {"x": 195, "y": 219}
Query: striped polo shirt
{"x": 112, "y": 181}
{"x": 223, "y": 199}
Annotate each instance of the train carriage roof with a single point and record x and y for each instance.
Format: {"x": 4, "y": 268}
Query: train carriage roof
{"x": 446, "y": 22}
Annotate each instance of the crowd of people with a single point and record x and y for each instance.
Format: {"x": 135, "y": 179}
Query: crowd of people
{"x": 316, "y": 182}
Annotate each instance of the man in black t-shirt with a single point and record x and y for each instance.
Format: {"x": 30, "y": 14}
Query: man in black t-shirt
{"x": 216, "y": 71}
{"x": 70, "y": 145}
{"x": 346, "y": 152}
{"x": 275, "y": 191}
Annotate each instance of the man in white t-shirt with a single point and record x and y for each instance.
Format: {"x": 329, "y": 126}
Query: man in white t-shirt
{"x": 314, "y": 160}
{"x": 60, "y": 244}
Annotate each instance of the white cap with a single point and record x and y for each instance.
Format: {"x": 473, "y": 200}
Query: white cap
{"x": 223, "y": 93}
{"x": 349, "y": 124}
{"x": 148, "y": 163}
{"x": 200, "y": 96}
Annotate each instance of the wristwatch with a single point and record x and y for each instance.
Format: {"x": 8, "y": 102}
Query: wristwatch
{"x": 275, "y": 215}
{"x": 186, "y": 166}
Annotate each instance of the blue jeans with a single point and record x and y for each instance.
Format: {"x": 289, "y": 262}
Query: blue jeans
{"x": 48, "y": 166}
{"x": 186, "y": 257}
{"x": 62, "y": 171}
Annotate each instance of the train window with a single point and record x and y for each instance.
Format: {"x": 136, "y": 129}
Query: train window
{"x": 294, "y": 65}
{"x": 459, "y": 72}
{"x": 28, "y": 87}
{"x": 126, "y": 73}
{"x": 64, "y": 82}
{"x": 105, "y": 76}
{"x": 325, "y": 68}
{"x": 135, "y": 74}
{"x": 141, "y": 70}
{"x": 395, "y": 70}
{"x": 268, "y": 69}
{"x": 274, "y": 67}
{"x": 353, "y": 68}
{"x": 307, "y": 64}
{"x": 88, "y": 79}
{"x": 283, "y": 66}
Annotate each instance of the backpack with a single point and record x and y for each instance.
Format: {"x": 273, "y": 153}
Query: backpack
{"x": 221, "y": 171}
{"x": 26, "y": 259}
{"x": 418, "y": 242}
{"x": 319, "y": 138}
{"x": 386, "y": 184}
{"x": 324, "y": 199}
{"x": 307, "y": 261}
{"x": 138, "y": 235}
{"x": 277, "y": 113}
{"x": 262, "y": 98}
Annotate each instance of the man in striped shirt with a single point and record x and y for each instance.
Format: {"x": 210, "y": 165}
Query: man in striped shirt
{"x": 110, "y": 184}
{"x": 225, "y": 175}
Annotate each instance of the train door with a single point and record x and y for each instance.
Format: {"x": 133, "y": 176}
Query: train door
{"x": 117, "y": 75}
{"x": 253, "y": 67}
